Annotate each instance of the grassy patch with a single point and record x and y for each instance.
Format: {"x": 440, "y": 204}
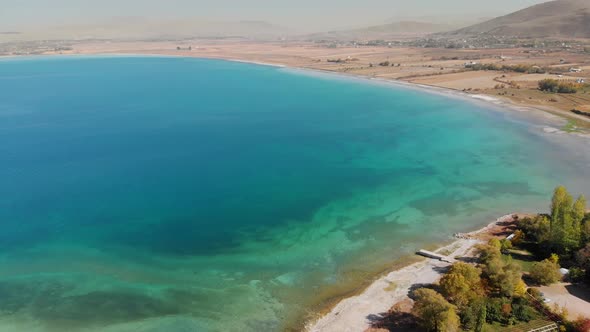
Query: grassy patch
{"x": 571, "y": 126}
{"x": 521, "y": 257}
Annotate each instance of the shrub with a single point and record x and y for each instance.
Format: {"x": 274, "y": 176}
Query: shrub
{"x": 499, "y": 310}
{"x": 523, "y": 312}
{"x": 494, "y": 310}
{"x": 576, "y": 274}
{"x": 549, "y": 85}
{"x": 474, "y": 315}
{"x": 581, "y": 325}
{"x": 545, "y": 272}
{"x": 384, "y": 64}
{"x": 567, "y": 88}
{"x": 505, "y": 245}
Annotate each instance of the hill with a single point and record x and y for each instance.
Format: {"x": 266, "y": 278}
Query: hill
{"x": 560, "y": 19}
{"x": 385, "y": 31}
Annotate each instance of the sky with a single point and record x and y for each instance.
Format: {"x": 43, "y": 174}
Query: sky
{"x": 295, "y": 14}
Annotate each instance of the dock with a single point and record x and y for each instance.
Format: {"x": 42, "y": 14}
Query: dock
{"x": 433, "y": 255}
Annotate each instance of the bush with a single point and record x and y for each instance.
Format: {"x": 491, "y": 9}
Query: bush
{"x": 576, "y": 274}
{"x": 499, "y": 310}
{"x": 581, "y": 325}
{"x": 545, "y": 272}
{"x": 384, "y": 64}
{"x": 523, "y": 312}
{"x": 567, "y": 88}
{"x": 494, "y": 310}
{"x": 549, "y": 85}
{"x": 505, "y": 245}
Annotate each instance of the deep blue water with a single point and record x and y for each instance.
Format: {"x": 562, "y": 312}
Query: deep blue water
{"x": 160, "y": 194}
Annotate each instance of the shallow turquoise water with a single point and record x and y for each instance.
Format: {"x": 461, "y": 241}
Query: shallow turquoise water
{"x": 171, "y": 194}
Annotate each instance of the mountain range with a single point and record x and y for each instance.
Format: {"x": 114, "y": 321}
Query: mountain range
{"x": 558, "y": 19}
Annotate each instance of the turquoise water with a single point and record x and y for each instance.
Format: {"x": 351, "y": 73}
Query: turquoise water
{"x": 171, "y": 194}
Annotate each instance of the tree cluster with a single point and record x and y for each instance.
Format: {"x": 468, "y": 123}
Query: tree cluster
{"x": 551, "y": 85}
{"x": 566, "y": 232}
{"x": 521, "y": 68}
{"x": 469, "y": 296}
{"x": 491, "y": 292}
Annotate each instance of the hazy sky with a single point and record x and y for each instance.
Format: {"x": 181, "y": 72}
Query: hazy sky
{"x": 307, "y": 14}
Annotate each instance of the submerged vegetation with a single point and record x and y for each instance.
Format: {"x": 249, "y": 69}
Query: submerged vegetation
{"x": 492, "y": 292}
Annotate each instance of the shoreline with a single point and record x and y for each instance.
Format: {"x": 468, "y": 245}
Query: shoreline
{"x": 359, "y": 312}
{"x": 491, "y": 102}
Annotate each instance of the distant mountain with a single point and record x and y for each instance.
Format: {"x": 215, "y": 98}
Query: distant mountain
{"x": 385, "y": 31}
{"x": 138, "y": 28}
{"x": 561, "y": 19}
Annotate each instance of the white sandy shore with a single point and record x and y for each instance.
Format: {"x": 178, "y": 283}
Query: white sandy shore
{"x": 355, "y": 314}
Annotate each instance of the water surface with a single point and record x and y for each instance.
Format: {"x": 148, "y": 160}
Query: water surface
{"x": 171, "y": 194}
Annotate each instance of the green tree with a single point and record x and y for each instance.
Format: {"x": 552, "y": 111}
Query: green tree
{"x": 461, "y": 284}
{"x": 578, "y": 214}
{"x": 481, "y": 319}
{"x": 488, "y": 252}
{"x": 495, "y": 243}
{"x": 537, "y": 228}
{"x": 450, "y": 322}
{"x": 524, "y": 313}
{"x": 562, "y": 234}
{"x": 505, "y": 245}
{"x": 545, "y": 272}
{"x": 504, "y": 277}
{"x": 509, "y": 279}
{"x": 471, "y": 314}
{"x": 434, "y": 312}
{"x": 586, "y": 230}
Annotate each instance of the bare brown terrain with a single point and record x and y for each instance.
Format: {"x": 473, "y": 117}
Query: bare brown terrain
{"x": 561, "y": 18}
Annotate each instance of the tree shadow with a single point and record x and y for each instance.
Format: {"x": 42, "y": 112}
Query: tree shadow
{"x": 441, "y": 269}
{"x": 418, "y": 286}
{"x": 579, "y": 291}
{"x": 394, "y": 321}
{"x": 521, "y": 257}
{"x": 470, "y": 260}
